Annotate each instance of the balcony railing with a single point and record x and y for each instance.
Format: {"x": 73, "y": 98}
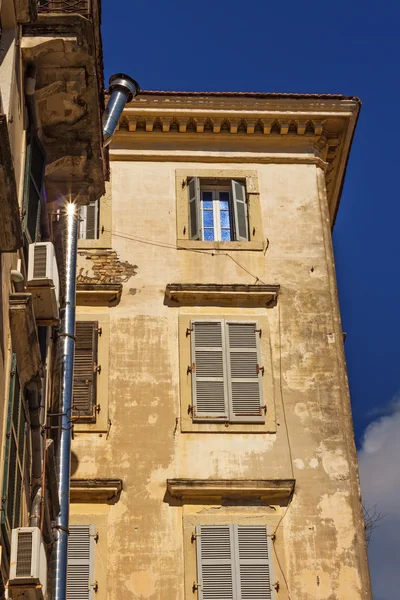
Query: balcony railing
{"x": 81, "y": 7}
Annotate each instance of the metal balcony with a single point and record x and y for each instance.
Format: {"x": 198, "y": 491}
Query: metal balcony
{"x": 80, "y": 7}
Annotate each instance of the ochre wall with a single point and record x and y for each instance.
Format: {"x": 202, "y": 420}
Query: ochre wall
{"x": 319, "y": 542}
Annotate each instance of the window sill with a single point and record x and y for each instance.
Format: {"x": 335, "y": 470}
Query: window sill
{"x": 103, "y": 243}
{"x": 105, "y": 491}
{"x": 188, "y": 426}
{"x": 264, "y": 489}
{"x": 223, "y": 294}
{"x": 98, "y": 294}
{"x": 183, "y": 244}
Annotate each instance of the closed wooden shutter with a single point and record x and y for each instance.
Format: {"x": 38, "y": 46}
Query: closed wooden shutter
{"x": 80, "y": 569}
{"x": 253, "y": 560}
{"x": 195, "y": 224}
{"x": 234, "y": 562}
{"x": 215, "y": 562}
{"x": 244, "y": 373}
{"x": 239, "y": 210}
{"x": 85, "y": 370}
{"x": 33, "y": 188}
{"x": 209, "y": 390}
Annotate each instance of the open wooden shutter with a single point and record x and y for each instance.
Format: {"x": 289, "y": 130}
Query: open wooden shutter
{"x": 244, "y": 373}
{"x": 89, "y": 223}
{"x": 85, "y": 369}
{"x": 239, "y": 210}
{"x": 80, "y": 569}
{"x": 215, "y": 562}
{"x": 195, "y": 224}
{"x": 33, "y": 188}
{"x": 253, "y": 554}
{"x": 209, "y": 390}
{"x": 14, "y": 456}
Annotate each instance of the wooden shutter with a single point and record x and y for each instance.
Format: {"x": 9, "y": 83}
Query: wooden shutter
{"x": 89, "y": 223}
{"x": 85, "y": 369}
{"x": 14, "y": 456}
{"x": 209, "y": 390}
{"x": 253, "y": 563}
{"x": 80, "y": 569}
{"x": 244, "y": 373}
{"x": 195, "y": 225}
{"x": 215, "y": 562}
{"x": 33, "y": 188}
{"x": 239, "y": 210}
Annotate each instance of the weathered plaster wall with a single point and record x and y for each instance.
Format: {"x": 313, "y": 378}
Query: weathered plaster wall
{"x": 320, "y": 539}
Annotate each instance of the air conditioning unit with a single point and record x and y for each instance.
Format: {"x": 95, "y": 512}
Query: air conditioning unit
{"x": 43, "y": 282}
{"x": 28, "y": 564}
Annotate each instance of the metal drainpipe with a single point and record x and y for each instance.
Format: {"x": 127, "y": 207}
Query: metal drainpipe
{"x": 67, "y": 350}
{"x": 123, "y": 89}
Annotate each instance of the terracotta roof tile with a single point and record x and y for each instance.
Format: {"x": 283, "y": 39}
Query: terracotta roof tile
{"x": 251, "y": 95}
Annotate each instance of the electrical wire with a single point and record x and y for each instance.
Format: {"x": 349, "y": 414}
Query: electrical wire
{"x": 281, "y": 389}
{"x": 174, "y": 247}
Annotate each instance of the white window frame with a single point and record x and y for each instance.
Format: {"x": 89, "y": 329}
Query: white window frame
{"x": 217, "y": 213}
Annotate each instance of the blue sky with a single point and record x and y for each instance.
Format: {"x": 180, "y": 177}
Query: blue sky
{"x": 343, "y": 47}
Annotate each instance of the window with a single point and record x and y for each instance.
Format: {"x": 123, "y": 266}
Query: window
{"x": 14, "y": 458}
{"x": 33, "y": 189}
{"x": 234, "y": 561}
{"x": 217, "y": 212}
{"x": 226, "y": 372}
{"x": 80, "y": 571}
{"x": 89, "y": 221}
{"x": 86, "y": 370}
{"x": 232, "y": 218}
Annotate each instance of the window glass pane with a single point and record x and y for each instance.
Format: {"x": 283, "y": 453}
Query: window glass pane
{"x": 224, "y": 204}
{"x": 224, "y": 197}
{"x": 226, "y": 235}
{"x": 225, "y": 221}
{"x": 209, "y": 234}
{"x": 208, "y": 219}
{"x": 207, "y": 204}
{"x": 207, "y": 196}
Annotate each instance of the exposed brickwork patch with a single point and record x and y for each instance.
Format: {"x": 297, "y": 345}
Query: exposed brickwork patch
{"x": 103, "y": 266}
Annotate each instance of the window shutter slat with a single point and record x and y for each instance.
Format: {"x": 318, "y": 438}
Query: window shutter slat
{"x": 210, "y": 398}
{"x": 244, "y": 374}
{"x": 80, "y": 571}
{"x": 85, "y": 362}
{"x": 253, "y": 560}
{"x": 215, "y": 562}
{"x": 194, "y": 208}
{"x": 239, "y": 210}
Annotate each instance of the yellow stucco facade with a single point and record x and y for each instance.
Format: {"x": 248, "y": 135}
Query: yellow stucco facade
{"x": 296, "y": 472}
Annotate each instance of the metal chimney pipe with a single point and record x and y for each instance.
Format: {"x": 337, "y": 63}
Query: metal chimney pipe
{"x": 122, "y": 89}
{"x": 63, "y": 458}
